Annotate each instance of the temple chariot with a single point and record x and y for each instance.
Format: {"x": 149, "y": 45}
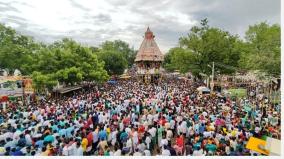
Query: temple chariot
{"x": 149, "y": 60}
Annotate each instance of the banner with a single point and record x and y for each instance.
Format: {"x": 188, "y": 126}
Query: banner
{"x": 10, "y": 86}
{"x": 28, "y": 86}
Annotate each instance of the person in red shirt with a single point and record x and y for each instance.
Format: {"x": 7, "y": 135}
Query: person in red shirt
{"x": 179, "y": 144}
{"x": 90, "y": 138}
{"x": 114, "y": 117}
{"x": 141, "y": 130}
{"x": 126, "y": 121}
{"x": 180, "y": 141}
{"x": 162, "y": 121}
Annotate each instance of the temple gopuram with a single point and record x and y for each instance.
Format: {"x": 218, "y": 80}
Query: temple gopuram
{"x": 149, "y": 60}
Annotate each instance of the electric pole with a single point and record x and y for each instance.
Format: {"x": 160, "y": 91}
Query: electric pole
{"x": 212, "y": 82}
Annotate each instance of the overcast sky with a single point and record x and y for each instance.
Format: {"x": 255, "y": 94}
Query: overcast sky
{"x": 91, "y": 22}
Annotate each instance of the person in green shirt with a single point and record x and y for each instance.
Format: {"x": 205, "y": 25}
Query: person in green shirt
{"x": 107, "y": 151}
{"x": 211, "y": 147}
{"x": 160, "y": 133}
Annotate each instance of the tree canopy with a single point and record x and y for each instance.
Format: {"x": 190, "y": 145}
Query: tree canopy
{"x": 117, "y": 56}
{"x": 64, "y": 61}
{"x": 260, "y": 50}
{"x": 201, "y": 47}
{"x": 68, "y": 62}
{"x": 15, "y": 49}
{"x": 115, "y": 63}
{"x": 122, "y": 48}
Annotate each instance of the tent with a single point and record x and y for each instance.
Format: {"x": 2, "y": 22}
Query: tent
{"x": 112, "y": 81}
{"x": 203, "y": 89}
{"x": 124, "y": 76}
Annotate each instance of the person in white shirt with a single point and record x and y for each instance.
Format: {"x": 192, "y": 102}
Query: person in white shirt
{"x": 10, "y": 143}
{"x": 164, "y": 141}
{"x": 16, "y": 135}
{"x": 135, "y": 138}
{"x": 169, "y": 134}
{"x": 65, "y": 150}
{"x": 101, "y": 118}
{"x": 141, "y": 147}
{"x": 148, "y": 141}
{"x": 129, "y": 144}
{"x": 71, "y": 149}
{"x": 183, "y": 127}
{"x": 152, "y": 131}
{"x": 128, "y": 130}
{"x": 117, "y": 152}
{"x": 198, "y": 152}
{"x": 137, "y": 153}
{"x": 147, "y": 152}
{"x": 166, "y": 152}
{"x": 114, "y": 137}
{"x": 207, "y": 134}
{"x": 150, "y": 118}
{"x": 227, "y": 149}
{"x": 121, "y": 126}
{"x": 78, "y": 151}
{"x": 28, "y": 139}
{"x": 105, "y": 118}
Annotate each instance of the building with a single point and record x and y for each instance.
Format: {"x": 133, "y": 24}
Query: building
{"x": 149, "y": 60}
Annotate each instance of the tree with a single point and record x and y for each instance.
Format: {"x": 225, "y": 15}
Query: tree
{"x": 70, "y": 63}
{"x": 122, "y": 48}
{"x": 263, "y": 48}
{"x": 205, "y": 45}
{"x": 41, "y": 82}
{"x": 179, "y": 59}
{"x": 66, "y": 62}
{"x": 115, "y": 63}
{"x": 16, "y": 49}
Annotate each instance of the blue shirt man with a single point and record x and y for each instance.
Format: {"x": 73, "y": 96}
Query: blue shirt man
{"x": 62, "y": 132}
{"x": 68, "y": 131}
{"x": 49, "y": 138}
{"x": 102, "y": 135}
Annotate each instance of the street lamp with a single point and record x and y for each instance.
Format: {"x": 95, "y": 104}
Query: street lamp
{"x": 212, "y": 80}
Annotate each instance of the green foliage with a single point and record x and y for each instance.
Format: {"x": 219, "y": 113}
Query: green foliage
{"x": 15, "y": 49}
{"x": 115, "y": 63}
{"x": 63, "y": 61}
{"x": 239, "y": 93}
{"x": 117, "y": 56}
{"x": 122, "y": 48}
{"x": 263, "y": 48}
{"x": 41, "y": 82}
{"x": 202, "y": 46}
{"x": 179, "y": 59}
{"x": 68, "y": 62}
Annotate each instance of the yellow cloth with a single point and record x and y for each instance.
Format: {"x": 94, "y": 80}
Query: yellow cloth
{"x": 84, "y": 144}
{"x": 225, "y": 130}
{"x": 108, "y": 130}
{"x": 33, "y": 117}
{"x": 253, "y": 145}
{"x": 234, "y": 133}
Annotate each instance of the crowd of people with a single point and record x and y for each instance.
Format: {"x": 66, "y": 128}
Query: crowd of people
{"x": 131, "y": 118}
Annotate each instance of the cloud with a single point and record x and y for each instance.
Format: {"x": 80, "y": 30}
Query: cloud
{"x": 91, "y": 22}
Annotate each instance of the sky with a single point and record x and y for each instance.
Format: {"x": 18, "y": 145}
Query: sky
{"x": 92, "y": 22}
